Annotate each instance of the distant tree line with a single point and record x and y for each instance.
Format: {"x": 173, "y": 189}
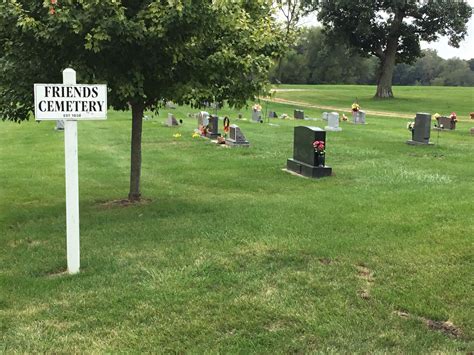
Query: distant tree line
{"x": 316, "y": 60}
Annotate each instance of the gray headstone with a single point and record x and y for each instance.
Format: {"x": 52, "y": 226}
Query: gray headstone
{"x": 59, "y": 125}
{"x": 325, "y": 116}
{"x": 422, "y": 129}
{"x": 298, "y": 115}
{"x": 359, "y": 117}
{"x": 333, "y": 122}
{"x": 171, "y": 121}
{"x": 272, "y": 114}
{"x": 256, "y": 115}
{"x": 170, "y": 104}
{"x": 236, "y": 137}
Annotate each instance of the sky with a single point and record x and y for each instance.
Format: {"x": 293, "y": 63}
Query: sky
{"x": 465, "y": 50}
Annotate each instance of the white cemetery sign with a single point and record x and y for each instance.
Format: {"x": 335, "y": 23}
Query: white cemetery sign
{"x": 71, "y": 102}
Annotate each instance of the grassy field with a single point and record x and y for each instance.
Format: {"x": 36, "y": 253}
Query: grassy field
{"x": 231, "y": 254}
{"x": 409, "y": 99}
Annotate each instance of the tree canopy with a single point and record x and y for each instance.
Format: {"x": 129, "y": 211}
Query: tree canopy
{"x": 148, "y": 52}
{"x": 314, "y": 59}
{"x": 392, "y": 30}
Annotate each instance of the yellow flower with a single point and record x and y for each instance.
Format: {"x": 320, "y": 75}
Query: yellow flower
{"x": 177, "y": 135}
{"x": 196, "y": 135}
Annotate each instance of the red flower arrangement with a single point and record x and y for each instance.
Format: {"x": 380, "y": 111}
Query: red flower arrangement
{"x": 319, "y": 147}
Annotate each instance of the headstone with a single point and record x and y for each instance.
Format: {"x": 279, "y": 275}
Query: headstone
{"x": 256, "y": 115}
{"x": 170, "y": 104}
{"x": 272, "y": 114}
{"x": 213, "y": 127}
{"x": 203, "y": 119}
{"x": 472, "y": 131}
{"x": 298, "y": 115}
{"x": 59, "y": 125}
{"x": 421, "y": 130}
{"x": 359, "y": 117}
{"x": 236, "y": 137}
{"x": 445, "y": 123}
{"x": 171, "y": 120}
{"x": 333, "y": 122}
{"x": 325, "y": 116}
{"x": 306, "y": 161}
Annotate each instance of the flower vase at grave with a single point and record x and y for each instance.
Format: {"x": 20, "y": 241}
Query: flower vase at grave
{"x": 321, "y": 159}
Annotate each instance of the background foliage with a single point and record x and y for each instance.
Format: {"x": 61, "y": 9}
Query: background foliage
{"x": 316, "y": 60}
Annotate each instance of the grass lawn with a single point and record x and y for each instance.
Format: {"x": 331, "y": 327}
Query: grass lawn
{"x": 230, "y": 253}
{"x": 408, "y": 99}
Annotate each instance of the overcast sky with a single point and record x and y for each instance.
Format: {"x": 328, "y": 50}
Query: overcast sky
{"x": 465, "y": 50}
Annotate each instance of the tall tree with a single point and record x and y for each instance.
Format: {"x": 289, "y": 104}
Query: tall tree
{"x": 147, "y": 51}
{"x": 392, "y": 30}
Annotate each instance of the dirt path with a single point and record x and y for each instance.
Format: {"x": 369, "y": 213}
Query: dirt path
{"x": 334, "y": 108}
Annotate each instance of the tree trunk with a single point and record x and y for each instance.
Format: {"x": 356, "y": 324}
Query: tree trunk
{"x": 384, "y": 81}
{"x": 136, "y": 155}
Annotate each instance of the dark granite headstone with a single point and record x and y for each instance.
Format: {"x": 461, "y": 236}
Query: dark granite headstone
{"x": 422, "y": 129}
{"x": 445, "y": 123}
{"x": 298, "y": 115}
{"x": 236, "y": 137}
{"x": 213, "y": 127}
{"x": 305, "y": 160}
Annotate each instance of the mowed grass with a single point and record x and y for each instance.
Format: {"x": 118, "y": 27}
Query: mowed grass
{"x": 230, "y": 253}
{"x": 408, "y": 99}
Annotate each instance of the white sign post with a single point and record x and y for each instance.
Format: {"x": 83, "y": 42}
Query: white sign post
{"x": 71, "y": 103}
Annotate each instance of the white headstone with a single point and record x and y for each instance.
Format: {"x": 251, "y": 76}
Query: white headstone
{"x": 203, "y": 119}
{"x": 171, "y": 120}
{"x": 256, "y": 116}
{"x": 325, "y": 116}
{"x": 360, "y": 117}
{"x": 333, "y": 122}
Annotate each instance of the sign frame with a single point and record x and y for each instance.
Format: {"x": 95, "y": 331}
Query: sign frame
{"x": 70, "y": 104}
